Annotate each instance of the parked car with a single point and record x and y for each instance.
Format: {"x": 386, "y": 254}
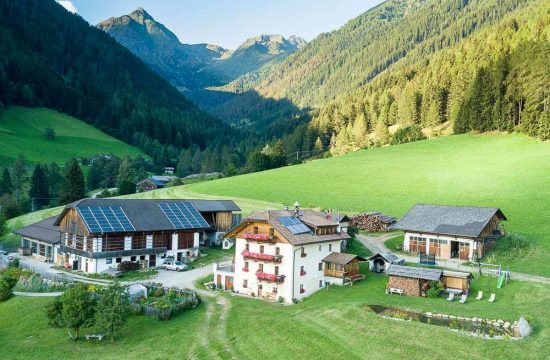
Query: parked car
{"x": 174, "y": 265}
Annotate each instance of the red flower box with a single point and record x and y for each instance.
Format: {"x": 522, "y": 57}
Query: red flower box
{"x": 255, "y": 256}
{"x": 302, "y": 273}
{"x": 260, "y": 275}
{"x": 245, "y": 269}
{"x": 261, "y": 237}
{"x": 302, "y": 291}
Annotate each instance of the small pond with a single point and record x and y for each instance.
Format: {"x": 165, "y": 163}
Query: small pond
{"x": 467, "y": 326}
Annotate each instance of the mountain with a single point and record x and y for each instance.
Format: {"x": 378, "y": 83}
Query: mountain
{"x": 338, "y": 62}
{"x": 54, "y": 59}
{"x": 194, "y": 67}
{"x": 161, "y": 49}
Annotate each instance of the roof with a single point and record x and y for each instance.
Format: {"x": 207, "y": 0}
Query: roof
{"x": 163, "y": 178}
{"x": 457, "y": 274}
{"x": 338, "y": 217}
{"x": 146, "y": 214}
{"x": 466, "y": 221}
{"x": 341, "y": 258}
{"x": 311, "y": 218}
{"x": 414, "y": 272}
{"x": 387, "y": 256}
{"x": 44, "y": 230}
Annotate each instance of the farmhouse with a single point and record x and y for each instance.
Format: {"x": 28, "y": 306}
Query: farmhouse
{"x": 448, "y": 232}
{"x": 41, "y": 238}
{"x": 286, "y": 254}
{"x": 154, "y": 182}
{"x": 415, "y": 281}
{"x": 94, "y": 235}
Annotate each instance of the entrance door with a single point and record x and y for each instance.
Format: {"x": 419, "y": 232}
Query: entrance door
{"x": 228, "y": 282}
{"x": 454, "y": 249}
{"x": 75, "y": 264}
{"x": 219, "y": 280}
{"x": 464, "y": 250}
{"x": 152, "y": 260}
{"x": 434, "y": 247}
{"x": 422, "y": 245}
{"x": 178, "y": 257}
{"x": 260, "y": 288}
{"x": 86, "y": 266}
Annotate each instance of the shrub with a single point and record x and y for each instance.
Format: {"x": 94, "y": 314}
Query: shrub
{"x": 14, "y": 263}
{"x": 7, "y": 283}
{"x": 54, "y": 313}
{"x": 129, "y": 266}
{"x": 436, "y": 288}
{"x": 280, "y": 300}
{"x": 407, "y": 134}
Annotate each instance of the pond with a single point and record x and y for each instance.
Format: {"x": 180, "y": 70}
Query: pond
{"x": 471, "y": 326}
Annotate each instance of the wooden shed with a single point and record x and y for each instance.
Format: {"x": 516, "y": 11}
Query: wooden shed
{"x": 409, "y": 280}
{"x": 381, "y": 261}
{"x": 457, "y": 282}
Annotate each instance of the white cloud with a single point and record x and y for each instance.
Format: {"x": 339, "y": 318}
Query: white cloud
{"x": 68, "y": 5}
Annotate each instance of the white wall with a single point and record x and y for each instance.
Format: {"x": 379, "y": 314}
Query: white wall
{"x": 473, "y": 243}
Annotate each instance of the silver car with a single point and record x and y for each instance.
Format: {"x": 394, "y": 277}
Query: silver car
{"x": 174, "y": 265}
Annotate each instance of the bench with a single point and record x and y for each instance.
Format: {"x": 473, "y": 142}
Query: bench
{"x": 94, "y": 336}
{"x": 396, "y": 291}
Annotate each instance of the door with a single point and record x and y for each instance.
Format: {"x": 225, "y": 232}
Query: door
{"x": 422, "y": 245}
{"x": 260, "y": 288}
{"x": 152, "y": 260}
{"x": 86, "y": 266}
{"x": 454, "y": 249}
{"x": 464, "y": 251}
{"x": 219, "y": 280}
{"x": 434, "y": 247}
{"x": 228, "y": 282}
{"x": 75, "y": 264}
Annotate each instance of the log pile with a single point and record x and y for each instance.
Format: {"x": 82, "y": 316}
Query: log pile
{"x": 373, "y": 221}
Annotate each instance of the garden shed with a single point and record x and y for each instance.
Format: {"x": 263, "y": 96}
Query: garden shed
{"x": 457, "y": 282}
{"x": 409, "y": 280}
{"x": 381, "y": 261}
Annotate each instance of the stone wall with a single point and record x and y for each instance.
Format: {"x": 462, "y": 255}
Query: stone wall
{"x": 410, "y": 286}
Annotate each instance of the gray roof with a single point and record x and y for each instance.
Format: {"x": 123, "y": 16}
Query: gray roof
{"x": 44, "y": 230}
{"x": 146, "y": 215}
{"x": 414, "y": 272}
{"x": 388, "y": 257}
{"x": 341, "y": 258}
{"x": 466, "y": 221}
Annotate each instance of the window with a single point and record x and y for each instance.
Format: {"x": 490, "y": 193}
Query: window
{"x": 320, "y": 283}
{"x": 142, "y": 257}
{"x": 302, "y": 290}
{"x": 261, "y": 249}
{"x": 245, "y": 266}
{"x": 271, "y": 232}
{"x": 118, "y": 260}
{"x": 277, "y": 251}
{"x": 274, "y": 290}
{"x": 108, "y": 261}
{"x": 255, "y": 229}
{"x": 320, "y": 247}
{"x": 245, "y": 283}
{"x": 302, "y": 270}
{"x": 320, "y": 266}
{"x": 276, "y": 270}
{"x": 133, "y": 258}
{"x": 303, "y": 252}
{"x": 260, "y": 267}
{"x": 329, "y": 247}
{"x": 247, "y": 247}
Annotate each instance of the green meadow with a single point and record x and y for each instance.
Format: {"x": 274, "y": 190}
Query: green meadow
{"x": 509, "y": 171}
{"x": 331, "y": 323}
{"x": 23, "y": 132}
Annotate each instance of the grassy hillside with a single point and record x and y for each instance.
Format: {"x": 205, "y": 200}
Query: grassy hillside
{"x": 22, "y": 131}
{"x": 506, "y": 171}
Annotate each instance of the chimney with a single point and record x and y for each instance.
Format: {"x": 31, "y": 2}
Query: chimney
{"x": 297, "y": 209}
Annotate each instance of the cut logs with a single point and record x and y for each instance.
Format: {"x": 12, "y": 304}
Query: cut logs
{"x": 373, "y": 221}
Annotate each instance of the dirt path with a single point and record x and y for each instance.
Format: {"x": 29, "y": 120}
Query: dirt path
{"x": 376, "y": 244}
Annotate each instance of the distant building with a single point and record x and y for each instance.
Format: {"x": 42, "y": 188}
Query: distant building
{"x": 154, "y": 182}
{"x": 447, "y": 232}
{"x": 169, "y": 170}
{"x": 95, "y": 235}
{"x": 287, "y": 254}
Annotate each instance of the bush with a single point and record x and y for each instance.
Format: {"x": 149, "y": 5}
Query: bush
{"x": 407, "y": 134}
{"x": 436, "y": 288}
{"x": 129, "y": 266}
{"x": 7, "y": 283}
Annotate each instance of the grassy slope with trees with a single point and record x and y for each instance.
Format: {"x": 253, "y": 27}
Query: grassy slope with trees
{"x": 23, "y": 132}
{"x": 506, "y": 171}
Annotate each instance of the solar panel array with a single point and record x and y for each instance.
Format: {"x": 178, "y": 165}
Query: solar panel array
{"x": 294, "y": 225}
{"x": 105, "y": 219}
{"x": 183, "y": 215}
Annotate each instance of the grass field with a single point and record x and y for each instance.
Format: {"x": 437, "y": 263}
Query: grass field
{"x": 332, "y": 321}
{"x": 22, "y": 131}
{"x": 507, "y": 171}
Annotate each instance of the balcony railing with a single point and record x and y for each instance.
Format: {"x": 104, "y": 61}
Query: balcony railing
{"x": 259, "y": 237}
{"x": 260, "y": 275}
{"x": 262, "y": 257}
{"x": 111, "y": 254}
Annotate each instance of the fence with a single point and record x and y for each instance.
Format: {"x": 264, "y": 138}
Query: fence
{"x": 168, "y": 302}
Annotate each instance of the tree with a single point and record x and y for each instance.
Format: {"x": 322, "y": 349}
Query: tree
{"x": 126, "y": 187}
{"x": 74, "y": 187}
{"x": 259, "y": 162}
{"x": 55, "y": 180}
{"x": 50, "y": 133}
{"x": 6, "y": 186}
{"x": 112, "y": 311}
{"x": 19, "y": 173}
{"x": 78, "y": 308}
{"x": 39, "y": 190}
{"x": 125, "y": 178}
{"x": 381, "y": 134}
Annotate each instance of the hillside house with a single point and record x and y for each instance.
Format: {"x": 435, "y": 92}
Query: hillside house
{"x": 41, "y": 237}
{"x": 94, "y": 235}
{"x": 154, "y": 182}
{"x": 415, "y": 281}
{"x": 449, "y": 232}
{"x": 286, "y": 254}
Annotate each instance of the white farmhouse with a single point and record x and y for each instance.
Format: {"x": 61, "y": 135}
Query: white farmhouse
{"x": 283, "y": 255}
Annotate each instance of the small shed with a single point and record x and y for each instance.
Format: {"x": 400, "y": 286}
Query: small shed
{"x": 137, "y": 291}
{"x": 228, "y": 244}
{"x": 381, "y": 261}
{"x": 456, "y": 281}
{"x": 414, "y": 281}
{"x": 342, "y": 268}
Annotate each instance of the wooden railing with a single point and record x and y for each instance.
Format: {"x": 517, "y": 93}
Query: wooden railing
{"x": 335, "y": 273}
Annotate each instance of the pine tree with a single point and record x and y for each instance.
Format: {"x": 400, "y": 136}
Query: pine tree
{"x": 39, "y": 190}
{"x": 6, "y": 186}
{"x": 18, "y": 176}
{"x": 381, "y": 134}
{"x": 74, "y": 187}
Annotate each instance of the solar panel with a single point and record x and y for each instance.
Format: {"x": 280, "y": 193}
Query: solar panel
{"x": 104, "y": 219}
{"x": 183, "y": 215}
{"x": 294, "y": 225}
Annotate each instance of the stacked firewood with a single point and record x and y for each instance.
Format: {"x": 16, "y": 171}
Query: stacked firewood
{"x": 373, "y": 221}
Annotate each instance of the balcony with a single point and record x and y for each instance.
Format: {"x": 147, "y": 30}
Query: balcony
{"x": 262, "y": 276}
{"x": 110, "y": 254}
{"x": 259, "y": 237}
{"x": 262, "y": 257}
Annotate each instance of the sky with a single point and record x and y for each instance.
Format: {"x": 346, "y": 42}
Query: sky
{"x": 229, "y": 22}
